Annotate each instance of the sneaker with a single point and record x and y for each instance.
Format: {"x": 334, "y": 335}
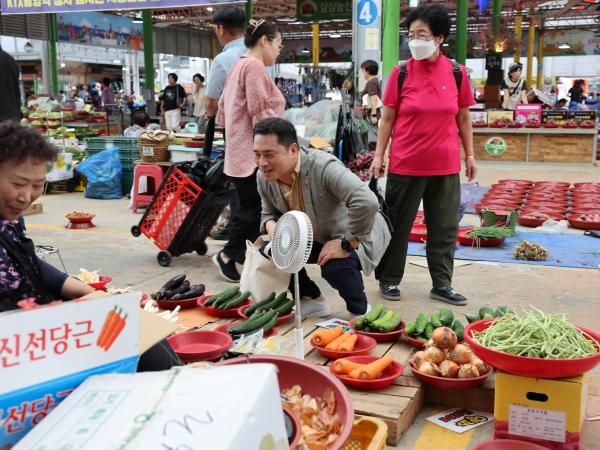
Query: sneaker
{"x": 227, "y": 270}
{"x": 314, "y": 307}
{"x": 389, "y": 291}
{"x": 448, "y": 295}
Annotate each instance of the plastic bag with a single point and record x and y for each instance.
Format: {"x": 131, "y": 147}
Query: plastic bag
{"x": 467, "y": 197}
{"x": 103, "y": 172}
{"x": 551, "y": 226}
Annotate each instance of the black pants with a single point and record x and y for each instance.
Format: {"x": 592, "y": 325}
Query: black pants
{"x": 441, "y": 201}
{"x": 245, "y": 222}
{"x": 344, "y": 275}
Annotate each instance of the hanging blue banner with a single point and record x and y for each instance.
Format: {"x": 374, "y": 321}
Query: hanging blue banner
{"x": 52, "y": 6}
{"x": 483, "y": 4}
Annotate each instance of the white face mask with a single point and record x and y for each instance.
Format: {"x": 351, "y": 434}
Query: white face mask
{"x": 421, "y": 49}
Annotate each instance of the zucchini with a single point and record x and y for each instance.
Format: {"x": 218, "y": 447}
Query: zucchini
{"x": 375, "y": 313}
{"x": 285, "y": 308}
{"x": 252, "y": 309}
{"x": 250, "y": 326}
{"x": 236, "y": 301}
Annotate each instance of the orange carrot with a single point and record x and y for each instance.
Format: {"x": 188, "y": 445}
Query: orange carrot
{"x": 344, "y": 366}
{"x": 116, "y": 331}
{"x": 110, "y": 318}
{"x": 324, "y": 336}
{"x": 374, "y": 369}
{"x": 355, "y": 373}
{"x": 335, "y": 344}
{"x": 348, "y": 344}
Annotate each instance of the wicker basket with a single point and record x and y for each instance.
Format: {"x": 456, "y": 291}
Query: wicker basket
{"x": 368, "y": 433}
{"x": 153, "y": 145}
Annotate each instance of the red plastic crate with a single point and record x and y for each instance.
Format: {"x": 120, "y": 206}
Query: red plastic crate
{"x": 169, "y": 209}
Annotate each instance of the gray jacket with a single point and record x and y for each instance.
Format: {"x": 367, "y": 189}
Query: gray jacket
{"x": 337, "y": 202}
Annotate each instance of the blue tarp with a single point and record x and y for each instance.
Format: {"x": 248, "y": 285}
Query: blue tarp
{"x": 565, "y": 250}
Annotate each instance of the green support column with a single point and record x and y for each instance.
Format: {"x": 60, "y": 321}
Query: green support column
{"x": 148, "y": 51}
{"x": 53, "y": 55}
{"x": 497, "y": 15}
{"x": 391, "y": 35}
{"x": 248, "y": 11}
{"x": 461, "y": 30}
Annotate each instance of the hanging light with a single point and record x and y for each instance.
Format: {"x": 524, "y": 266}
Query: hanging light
{"x": 335, "y": 36}
{"x": 305, "y": 50}
{"x": 564, "y": 46}
{"x": 209, "y": 9}
{"x": 28, "y": 47}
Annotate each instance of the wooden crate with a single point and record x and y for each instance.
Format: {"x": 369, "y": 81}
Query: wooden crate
{"x": 516, "y": 146}
{"x": 573, "y": 148}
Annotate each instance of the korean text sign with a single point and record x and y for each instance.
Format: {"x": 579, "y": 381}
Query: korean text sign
{"x": 47, "y": 352}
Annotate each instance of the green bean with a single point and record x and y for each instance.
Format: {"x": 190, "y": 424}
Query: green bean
{"x": 537, "y": 334}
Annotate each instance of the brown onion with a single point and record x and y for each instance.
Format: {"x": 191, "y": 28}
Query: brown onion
{"x": 418, "y": 358}
{"x": 444, "y": 338}
{"x": 481, "y": 365}
{"x": 434, "y": 355}
{"x": 468, "y": 371}
{"x": 449, "y": 369}
{"x": 460, "y": 354}
{"x": 429, "y": 368}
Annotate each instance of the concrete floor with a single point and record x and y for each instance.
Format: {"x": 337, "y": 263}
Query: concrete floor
{"x": 131, "y": 262}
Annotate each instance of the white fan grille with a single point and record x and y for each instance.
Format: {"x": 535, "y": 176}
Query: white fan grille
{"x": 292, "y": 241}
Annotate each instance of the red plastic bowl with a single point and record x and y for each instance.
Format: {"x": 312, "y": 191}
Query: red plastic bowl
{"x": 531, "y": 367}
{"x": 559, "y": 184}
{"x": 73, "y": 219}
{"x": 418, "y": 233}
{"x": 224, "y": 313}
{"x": 532, "y": 222}
{"x": 497, "y": 207}
{"x": 467, "y": 241}
{"x": 585, "y": 210}
{"x": 508, "y": 444}
{"x": 576, "y": 222}
{"x": 450, "y": 383}
{"x": 364, "y": 344}
{"x": 513, "y": 181}
{"x": 294, "y": 439}
{"x": 552, "y": 210}
{"x": 380, "y": 337}
{"x": 226, "y": 326}
{"x": 172, "y": 304}
{"x": 280, "y": 320}
{"x": 386, "y": 378}
{"x": 101, "y": 284}
{"x": 200, "y": 345}
{"x": 194, "y": 144}
{"x": 412, "y": 341}
{"x": 313, "y": 380}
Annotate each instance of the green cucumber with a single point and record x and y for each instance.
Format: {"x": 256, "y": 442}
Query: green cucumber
{"x": 375, "y": 313}
{"x": 459, "y": 329}
{"x": 360, "y": 324}
{"x": 392, "y": 323}
{"x": 270, "y": 324}
{"x": 500, "y": 311}
{"x": 251, "y": 326}
{"x": 485, "y": 311}
{"x": 214, "y": 298}
{"x": 435, "y": 319}
{"x": 279, "y": 300}
{"x": 236, "y": 301}
{"x": 379, "y": 322}
{"x": 225, "y": 299}
{"x": 257, "y": 305}
{"x": 411, "y": 328}
{"x": 472, "y": 319}
{"x": 446, "y": 316}
{"x": 421, "y": 322}
{"x": 284, "y": 309}
{"x": 428, "y": 331}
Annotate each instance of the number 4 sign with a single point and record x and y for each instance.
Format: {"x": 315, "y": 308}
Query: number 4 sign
{"x": 367, "y": 12}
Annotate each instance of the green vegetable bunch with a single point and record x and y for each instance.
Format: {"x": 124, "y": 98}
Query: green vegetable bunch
{"x": 489, "y": 233}
{"x": 536, "y": 334}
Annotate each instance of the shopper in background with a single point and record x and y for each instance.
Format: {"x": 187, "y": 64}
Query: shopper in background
{"x": 10, "y": 93}
{"x": 371, "y": 94}
{"x": 250, "y": 95}
{"x": 198, "y": 101}
{"x": 427, "y": 118}
{"x": 140, "y": 123}
{"x": 109, "y": 99}
{"x": 173, "y": 99}
{"x": 514, "y": 89}
{"x": 576, "y": 95}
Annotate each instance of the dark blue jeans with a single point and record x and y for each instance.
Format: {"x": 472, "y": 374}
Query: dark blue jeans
{"x": 344, "y": 275}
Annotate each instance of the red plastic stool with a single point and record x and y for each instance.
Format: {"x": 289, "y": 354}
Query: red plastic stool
{"x": 154, "y": 176}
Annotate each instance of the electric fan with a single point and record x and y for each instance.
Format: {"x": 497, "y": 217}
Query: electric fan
{"x": 290, "y": 250}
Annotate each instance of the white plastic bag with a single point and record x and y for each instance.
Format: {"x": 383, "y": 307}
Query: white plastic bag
{"x": 551, "y": 226}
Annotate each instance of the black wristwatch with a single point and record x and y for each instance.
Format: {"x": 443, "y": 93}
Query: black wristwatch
{"x": 346, "y": 245}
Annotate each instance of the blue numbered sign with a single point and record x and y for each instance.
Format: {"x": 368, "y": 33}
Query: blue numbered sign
{"x": 367, "y": 12}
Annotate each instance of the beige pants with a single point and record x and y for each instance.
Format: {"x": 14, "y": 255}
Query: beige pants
{"x": 172, "y": 119}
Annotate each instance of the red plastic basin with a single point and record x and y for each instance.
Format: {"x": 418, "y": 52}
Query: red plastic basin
{"x": 103, "y": 281}
{"x": 380, "y": 337}
{"x": 531, "y": 367}
{"x": 313, "y": 380}
{"x": 200, "y": 345}
{"x": 467, "y": 241}
{"x": 386, "y": 378}
{"x": 224, "y": 313}
{"x": 418, "y": 233}
{"x": 280, "y": 319}
{"x": 450, "y": 383}
{"x": 508, "y": 444}
{"x": 576, "y": 222}
{"x": 226, "y": 326}
{"x": 172, "y": 304}
{"x": 364, "y": 344}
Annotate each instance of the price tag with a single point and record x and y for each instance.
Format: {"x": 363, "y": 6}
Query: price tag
{"x": 87, "y": 108}
{"x": 537, "y": 423}
{"x": 148, "y": 151}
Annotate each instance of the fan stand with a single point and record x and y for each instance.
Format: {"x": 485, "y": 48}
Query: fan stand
{"x": 298, "y": 318}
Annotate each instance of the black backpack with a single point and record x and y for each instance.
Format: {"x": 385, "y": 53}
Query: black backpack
{"x": 403, "y": 72}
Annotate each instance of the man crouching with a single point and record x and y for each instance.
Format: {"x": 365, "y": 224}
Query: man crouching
{"x": 350, "y": 235}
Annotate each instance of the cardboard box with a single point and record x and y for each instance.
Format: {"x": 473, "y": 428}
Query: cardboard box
{"x": 496, "y": 115}
{"x": 549, "y": 412}
{"x": 528, "y": 112}
{"x": 221, "y": 408}
{"x": 580, "y": 116}
{"x": 558, "y": 116}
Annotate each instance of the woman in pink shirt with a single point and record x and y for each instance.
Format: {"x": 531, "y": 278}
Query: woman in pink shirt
{"x": 425, "y": 117}
{"x": 249, "y": 96}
